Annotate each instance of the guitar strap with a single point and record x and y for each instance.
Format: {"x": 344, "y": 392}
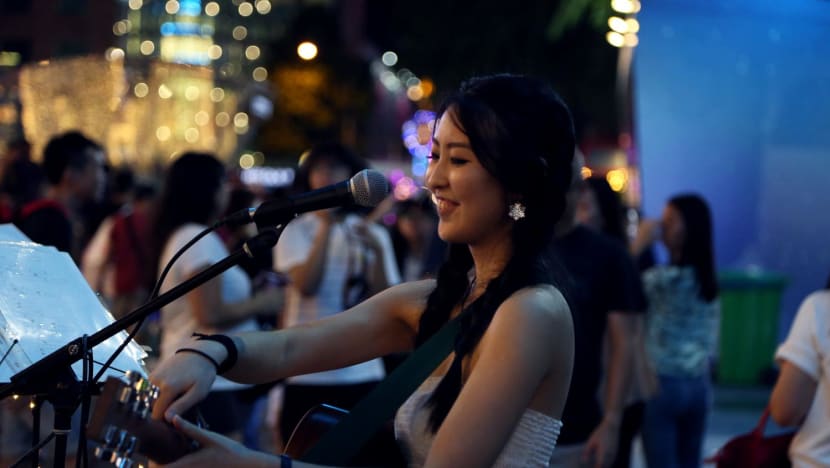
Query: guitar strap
{"x": 343, "y": 441}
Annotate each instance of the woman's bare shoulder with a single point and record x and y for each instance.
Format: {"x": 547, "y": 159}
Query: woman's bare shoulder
{"x": 539, "y": 308}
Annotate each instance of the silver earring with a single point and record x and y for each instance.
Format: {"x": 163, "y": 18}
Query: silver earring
{"x": 517, "y": 211}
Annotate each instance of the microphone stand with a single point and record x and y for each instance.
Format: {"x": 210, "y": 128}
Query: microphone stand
{"x": 52, "y": 375}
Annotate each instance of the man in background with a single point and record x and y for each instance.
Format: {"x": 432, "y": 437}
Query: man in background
{"x": 74, "y": 169}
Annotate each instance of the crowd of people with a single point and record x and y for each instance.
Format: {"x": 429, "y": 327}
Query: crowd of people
{"x": 571, "y": 340}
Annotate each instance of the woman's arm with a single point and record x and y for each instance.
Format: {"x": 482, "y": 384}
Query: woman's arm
{"x": 800, "y": 358}
{"x": 210, "y": 310}
{"x": 792, "y": 395}
{"x": 524, "y": 360}
{"x": 383, "y": 324}
{"x": 383, "y": 270}
{"x": 307, "y": 275}
{"x": 647, "y": 234}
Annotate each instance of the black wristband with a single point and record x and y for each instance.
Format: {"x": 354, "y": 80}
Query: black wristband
{"x": 200, "y": 353}
{"x": 285, "y": 461}
{"x": 230, "y": 347}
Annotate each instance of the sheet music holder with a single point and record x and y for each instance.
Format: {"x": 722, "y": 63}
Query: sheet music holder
{"x": 45, "y": 302}
{"x": 52, "y": 374}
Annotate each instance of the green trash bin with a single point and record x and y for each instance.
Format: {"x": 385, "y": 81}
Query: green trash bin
{"x": 750, "y": 306}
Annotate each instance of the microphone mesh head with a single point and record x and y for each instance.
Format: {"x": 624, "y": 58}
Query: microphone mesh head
{"x": 369, "y": 187}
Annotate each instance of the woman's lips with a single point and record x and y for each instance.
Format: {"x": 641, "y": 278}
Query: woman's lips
{"x": 444, "y": 206}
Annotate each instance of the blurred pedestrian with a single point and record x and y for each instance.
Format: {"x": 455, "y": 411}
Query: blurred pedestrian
{"x": 334, "y": 259}
{"x": 801, "y": 396}
{"x": 681, "y": 331}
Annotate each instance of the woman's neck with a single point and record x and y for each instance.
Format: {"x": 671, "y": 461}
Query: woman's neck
{"x": 489, "y": 261}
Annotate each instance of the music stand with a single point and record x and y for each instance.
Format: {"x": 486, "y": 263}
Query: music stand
{"x": 54, "y": 374}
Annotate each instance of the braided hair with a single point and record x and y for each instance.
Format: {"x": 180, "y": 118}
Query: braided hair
{"x": 522, "y": 134}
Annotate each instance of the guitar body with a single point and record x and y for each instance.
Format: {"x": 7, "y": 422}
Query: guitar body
{"x": 381, "y": 451}
{"x": 122, "y": 426}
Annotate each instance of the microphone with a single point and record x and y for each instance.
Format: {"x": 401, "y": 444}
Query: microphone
{"x": 366, "y": 188}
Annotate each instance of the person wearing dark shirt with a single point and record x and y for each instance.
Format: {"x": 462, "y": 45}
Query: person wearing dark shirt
{"x": 74, "y": 168}
{"x": 603, "y": 291}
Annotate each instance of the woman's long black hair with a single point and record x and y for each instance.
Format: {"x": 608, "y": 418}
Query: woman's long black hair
{"x": 698, "y": 251}
{"x": 522, "y": 133}
{"x": 188, "y": 195}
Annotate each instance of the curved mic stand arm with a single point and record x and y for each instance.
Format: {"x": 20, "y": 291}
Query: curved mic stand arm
{"x": 52, "y": 375}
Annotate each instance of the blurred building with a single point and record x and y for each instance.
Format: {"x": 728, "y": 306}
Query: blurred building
{"x": 35, "y": 31}
{"x": 148, "y": 78}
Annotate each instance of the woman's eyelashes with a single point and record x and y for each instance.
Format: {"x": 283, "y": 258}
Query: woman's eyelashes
{"x": 434, "y": 157}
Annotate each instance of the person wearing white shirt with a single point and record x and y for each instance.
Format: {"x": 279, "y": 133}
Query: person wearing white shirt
{"x": 801, "y": 395}
{"x": 334, "y": 259}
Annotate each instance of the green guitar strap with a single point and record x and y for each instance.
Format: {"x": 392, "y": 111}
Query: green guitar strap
{"x": 343, "y": 441}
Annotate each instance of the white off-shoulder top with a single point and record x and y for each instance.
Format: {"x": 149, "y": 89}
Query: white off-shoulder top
{"x": 531, "y": 444}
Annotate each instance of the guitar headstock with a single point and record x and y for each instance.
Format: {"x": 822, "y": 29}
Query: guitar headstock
{"x": 122, "y": 425}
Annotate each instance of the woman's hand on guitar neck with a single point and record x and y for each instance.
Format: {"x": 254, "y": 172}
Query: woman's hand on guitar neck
{"x": 184, "y": 379}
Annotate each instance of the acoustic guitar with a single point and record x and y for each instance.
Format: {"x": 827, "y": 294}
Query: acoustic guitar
{"x": 126, "y": 435}
{"x": 380, "y": 451}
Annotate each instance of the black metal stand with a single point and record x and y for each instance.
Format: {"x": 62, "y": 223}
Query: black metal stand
{"x": 52, "y": 375}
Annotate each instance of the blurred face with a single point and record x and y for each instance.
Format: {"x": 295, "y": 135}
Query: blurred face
{"x": 587, "y": 209}
{"x": 673, "y": 229}
{"x": 326, "y": 172}
{"x": 471, "y": 203}
{"x": 90, "y": 182}
{"x": 223, "y": 197}
{"x": 408, "y": 228}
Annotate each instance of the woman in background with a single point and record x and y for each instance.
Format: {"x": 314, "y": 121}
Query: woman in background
{"x": 194, "y": 195}
{"x": 681, "y": 331}
{"x": 334, "y": 259}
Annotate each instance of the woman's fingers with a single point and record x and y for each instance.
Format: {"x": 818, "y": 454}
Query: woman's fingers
{"x": 203, "y": 436}
{"x": 186, "y": 401}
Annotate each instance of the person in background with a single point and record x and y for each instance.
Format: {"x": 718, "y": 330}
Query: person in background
{"x": 334, "y": 259}
{"x": 681, "y": 331}
{"x": 74, "y": 168}
{"x": 261, "y": 431}
{"x": 117, "y": 261}
{"x": 605, "y": 298}
{"x": 193, "y": 196}
{"x": 801, "y": 396}
{"x": 600, "y": 208}
{"x": 21, "y": 179}
{"x": 499, "y": 172}
{"x": 418, "y": 249}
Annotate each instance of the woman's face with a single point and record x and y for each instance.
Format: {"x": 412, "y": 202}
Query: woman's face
{"x": 587, "y": 209}
{"x": 673, "y": 229}
{"x": 327, "y": 172}
{"x": 471, "y": 203}
{"x": 223, "y": 197}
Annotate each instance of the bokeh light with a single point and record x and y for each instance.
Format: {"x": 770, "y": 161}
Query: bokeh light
{"x": 417, "y": 138}
{"x": 389, "y": 58}
{"x": 212, "y": 9}
{"x": 307, "y": 50}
